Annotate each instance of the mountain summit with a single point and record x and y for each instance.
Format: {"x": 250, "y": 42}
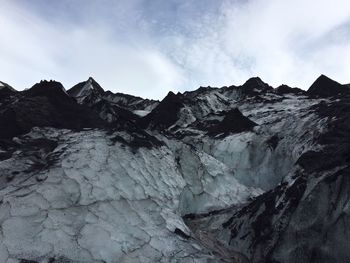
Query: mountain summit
{"x": 87, "y": 90}
{"x": 326, "y": 87}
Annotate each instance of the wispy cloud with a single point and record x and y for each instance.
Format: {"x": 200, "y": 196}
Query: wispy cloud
{"x": 288, "y": 42}
{"x": 34, "y": 48}
{"x": 149, "y": 47}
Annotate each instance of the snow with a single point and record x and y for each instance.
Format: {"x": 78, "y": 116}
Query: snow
{"x": 141, "y": 113}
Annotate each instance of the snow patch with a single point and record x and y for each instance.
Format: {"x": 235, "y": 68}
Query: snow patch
{"x": 141, "y": 113}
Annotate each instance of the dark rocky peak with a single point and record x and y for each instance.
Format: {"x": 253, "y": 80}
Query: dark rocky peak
{"x": 95, "y": 85}
{"x": 46, "y": 104}
{"x": 166, "y": 112}
{"x": 233, "y": 122}
{"x": 53, "y": 90}
{"x": 172, "y": 98}
{"x": 256, "y": 83}
{"x": 6, "y": 90}
{"x": 85, "y": 89}
{"x": 326, "y": 87}
{"x": 285, "y": 89}
{"x": 255, "y": 86}
{"x": 6, "y": 86}
{"x": 89, "y": 92}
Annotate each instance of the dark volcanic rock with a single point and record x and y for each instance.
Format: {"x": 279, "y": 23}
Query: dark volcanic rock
{"x": 46, "y": 104}
{"x": 28, "y": 261}
{"x": 336, "y": 141}
{"x": 273, "y": 141}
{"x": 252, "y": 88}
{"x": 137, "y": 138}
{"x": 261, "y": 222}
{"x": 115, "y": 115}
{"x": 255, "y": 86}
{"x": 165, "y": 114}
{"x": 6, "y": 91}
{"x": 233, "y": 122}
{"x": 53, "y": 90}
{"x": 284, "y": 89}
{"x": 326, "y": 87}
{"x": 181, "y": 233}
{"x": 8, "y": 124}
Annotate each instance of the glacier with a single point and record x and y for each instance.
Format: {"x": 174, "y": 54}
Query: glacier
{"x": 178, "y": 180}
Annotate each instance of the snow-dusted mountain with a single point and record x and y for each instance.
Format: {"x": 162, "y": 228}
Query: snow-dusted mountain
{"x": 234, "y": 174}
{"x": 108, "y": 104}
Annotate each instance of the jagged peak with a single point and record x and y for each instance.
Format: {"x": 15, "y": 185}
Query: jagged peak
{"x": 4, "y": 85}
{"x": 6, "y": 90}
{"x": 86, "y": 88}
{"x": 171, "y": 99}
{"x": 47, "y": 88}
{"x": 165, "y": 113}
{"x": 172, "y": 96}
{"x": 233, "y": 122}
{"x": 324, "y": 86}
{"x": 323, "y": 79}
{"x": 255, "y": 86}
{"x": 322, "y": 76}
{"x": 95, "y": 85}
{"x": 255, "y": 81}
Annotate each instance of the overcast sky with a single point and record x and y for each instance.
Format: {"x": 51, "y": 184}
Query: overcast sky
{"x": 148, "y": 47}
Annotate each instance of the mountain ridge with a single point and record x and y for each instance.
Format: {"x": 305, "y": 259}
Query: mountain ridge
{"x": 255, "y": 81}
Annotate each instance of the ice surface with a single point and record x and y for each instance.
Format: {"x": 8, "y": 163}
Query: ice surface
{"x": 103, "y": 202}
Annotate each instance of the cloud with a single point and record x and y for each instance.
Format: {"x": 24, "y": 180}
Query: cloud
{"x": 148, "y": 48}
{"x": 283, "y": 38}
{"x": 288, "y": 42}
{"x": 34, "y": 48}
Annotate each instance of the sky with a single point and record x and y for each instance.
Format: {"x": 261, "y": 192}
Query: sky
{"x": 149, "y": 47}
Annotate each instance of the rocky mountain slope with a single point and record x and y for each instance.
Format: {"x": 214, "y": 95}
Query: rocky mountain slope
{"x": 234, "y": 174}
